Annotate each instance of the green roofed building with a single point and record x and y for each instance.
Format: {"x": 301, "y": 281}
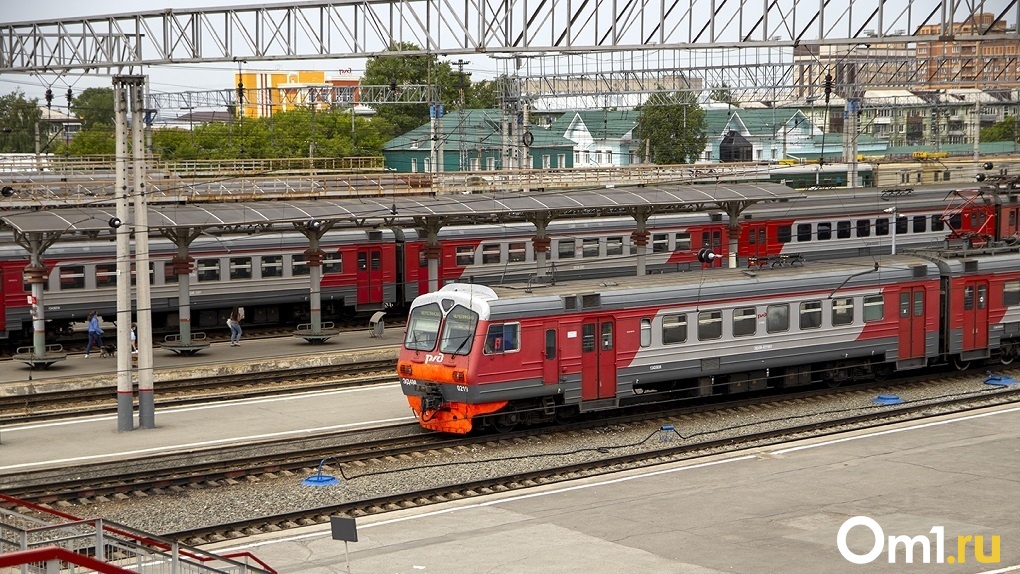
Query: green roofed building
{"x": 472, "y": 141}
{"x": 602, "y": 138}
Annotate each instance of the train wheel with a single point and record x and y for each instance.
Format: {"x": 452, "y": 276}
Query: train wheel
{"x": 505, "y": 422}
{"x": 881, "y": 372}
{"x": 566, "y": 414}
{"x": 959, "y": 364}
{"x": 1008, "y": 354}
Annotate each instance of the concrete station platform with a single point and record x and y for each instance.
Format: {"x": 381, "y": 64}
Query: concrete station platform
{"x": 777, "y": 510}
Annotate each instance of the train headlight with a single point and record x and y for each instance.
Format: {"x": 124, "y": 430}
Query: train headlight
{"x": 404, "y": 370}
{"x": 459, "y": 376}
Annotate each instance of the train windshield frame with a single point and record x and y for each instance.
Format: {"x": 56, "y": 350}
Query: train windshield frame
{"x": 423, "y": 328}
{"x": 458, "y": 331}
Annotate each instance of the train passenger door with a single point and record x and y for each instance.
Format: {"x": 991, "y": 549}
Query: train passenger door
{"x": 370, "y": 276}
{"x": 1008, "y": 222}
{"x": 975, "y": 315}
{"x": 551, "y": 354}
{"x": 756, "y": 242}
{"x": 598, "y": 359}
{"x": 712, "y": 238}
{"x": 911, "y": 323}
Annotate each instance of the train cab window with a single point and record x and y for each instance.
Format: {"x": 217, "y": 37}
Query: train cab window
{"x": 920, "y": 224}
{"x": 745, "y": 321}
{"x": 240, "y": 268}
{"x": 208, "y": 269}
{"x": 811, "y": 315}
{"x": 1011, "y": 293}
{"x": 614, "y": 246}
{"x": 169, "y": 273}
{"x": 272, "y": 266}
{"x": 299, "y": 265}
{"x": 660, "y": 242}
{"x": 784, "y": 233}
{"x": 683, "y": 242}
{"x": 902, "y": 225}
{"x": 863, "y": 227}
{"x": 458, "y": 331}
{"x": 874, "y": 308}
{"x": 465, "y": 255}
{"x": 843, "y": 229}
{"x": 502, "y": 338}
{"x": 423, "y": 327}
{"x": 517, "y": 252}
{"x": 646, "y": 332}
{"x": 955, "y": 221}
{"x": 674, "y": 329}
{"x": 804, "y": 232}
{"x": 490, "y": 253}
{"x": 590, "y": 247}
{"x": 882, "y": 226}
{"x": 72, "y": 277}
{"x": 777, "y": 318}
{"x": 937, "y": 223}
{"x": 565, "y": 249}
{"x": 106, "y": 275}
{"x": 842, "y": 311}
{"x": 709, "y": 325}
{"x": 333, "y": 262}
{"x": 824, "y": 231}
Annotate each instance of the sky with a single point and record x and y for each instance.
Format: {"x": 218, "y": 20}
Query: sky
{"x": 169, "y": 79}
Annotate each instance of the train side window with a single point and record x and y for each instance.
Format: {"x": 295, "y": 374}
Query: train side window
{"x": 299, "y": 265}
{"x": 423, "y": 261}
{"x": 968, "y": 299}
{"x": 106, "y": 275}
{"x": 565, "y": 249}
{"x": 334, "y": 262}
{"x": 804, "y": 232}
{"x": 607, "y": 336}
{"x": 902, "y": 225}
{"x": 660, "y": 242}
{"x": 1012, "y": 219}
{"x": 683, "y": 242}
{"x": 590, "y": 247}
{"x": 863, "y": 227}
{"x": 745, "y": 321}
{"x": 272, "y": 265}
{"x": 614, "y": 246}
{"x": 777, "y": 318}
{"x": 588, "y": 338}
{"x": 843, "y": 229}
{"x": 824, "y": 230}
{"x": 842, "y": 311}
{"x": 550, "y": 344}
{"x": 674, "y": 329}
{"x": 72, "y": 277}
{"x": 502, "y": 338}
{"x": 465, "y": 255}
{"x": 874, "y": 308}
{"x": 784, "y": 233}
{"x": 240, "y": 268}
{"x": 646, "y": 332}
{"x": 169, "y": 273}
{"x": 208, "y": 269}
{"x": 517, "y": 252}
{"x": 152, "y": 274}
{"x": 955, "y": 221}
{"x": 709, "y": 325}
{"x": 811, "y": 315}
{"x": 1011, "y": 293}
{"x": 490, "y": 253}
{"x": 937, "y": 223}
{"x": 920, "y": 224}
{"x": 882, "y": 226}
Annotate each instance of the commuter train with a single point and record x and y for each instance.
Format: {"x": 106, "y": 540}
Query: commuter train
{"x": 372, "y": 269}
{"x": 475, "y": 356}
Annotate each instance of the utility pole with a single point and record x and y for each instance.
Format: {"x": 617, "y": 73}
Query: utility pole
{"x": 461, "y": 84}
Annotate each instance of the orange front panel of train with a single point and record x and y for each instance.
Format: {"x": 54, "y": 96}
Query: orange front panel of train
{"x": 456, "y": 418}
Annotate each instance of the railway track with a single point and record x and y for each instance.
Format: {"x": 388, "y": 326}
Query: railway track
{"x": 102, "y": 399}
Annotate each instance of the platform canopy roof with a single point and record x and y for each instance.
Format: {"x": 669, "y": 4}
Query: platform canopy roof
{"x": 443, "y": 209}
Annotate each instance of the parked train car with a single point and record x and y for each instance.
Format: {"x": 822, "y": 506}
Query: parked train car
{"x": 372, "y": 269}
{"x": 474, "y": 355}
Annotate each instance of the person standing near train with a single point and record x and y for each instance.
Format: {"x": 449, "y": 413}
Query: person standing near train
{"x": 95, "y": 333}
{"x": 234, "y": 322}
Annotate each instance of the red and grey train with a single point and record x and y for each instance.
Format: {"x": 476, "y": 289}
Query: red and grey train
{"x": 372, "y": 269}
{"x": 477, "y": 356}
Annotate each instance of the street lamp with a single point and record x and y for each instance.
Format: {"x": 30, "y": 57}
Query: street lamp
{"x": 895, "y": 219}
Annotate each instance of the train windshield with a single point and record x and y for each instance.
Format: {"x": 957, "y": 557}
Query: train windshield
{"x": 458, "y": 331}
{"x": 423, "y": 328}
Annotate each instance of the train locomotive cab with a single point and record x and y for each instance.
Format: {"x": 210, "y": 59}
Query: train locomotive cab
{"x": 442, "y": 340}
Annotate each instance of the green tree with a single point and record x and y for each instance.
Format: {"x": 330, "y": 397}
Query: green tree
{"x": 403, "y": 70}
{"x": 91, "y": 140}
{"x": 94, "y": 106}
{"x": 673, "y": 127}
{"x": 481, "y": 95}
{"x": 18, "y": 119}
{"x": 723, "y": 95}
{"x": 1004, "y": 131}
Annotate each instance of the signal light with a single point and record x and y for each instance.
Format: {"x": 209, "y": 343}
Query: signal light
{"x": 988, "y": 165}
{"x": 705, "y": 255}
{"x": 7, "y": 191}
{"x": 114, "y": 222}
{"x": 979, "y": 177}
{"x": 313, "y": 225}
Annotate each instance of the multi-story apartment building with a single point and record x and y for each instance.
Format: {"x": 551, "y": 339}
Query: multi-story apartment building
{"x": 951, "y": 63}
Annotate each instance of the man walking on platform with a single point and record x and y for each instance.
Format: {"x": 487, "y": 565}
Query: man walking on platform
{"x": 95, "y": 333}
